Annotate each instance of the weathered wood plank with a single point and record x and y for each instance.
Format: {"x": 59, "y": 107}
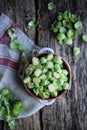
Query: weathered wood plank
{"x": 69, "y": 111}
{"x": 21, "y": 12}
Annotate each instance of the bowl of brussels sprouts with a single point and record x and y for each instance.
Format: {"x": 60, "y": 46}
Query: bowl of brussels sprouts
{"x": 46, "y": 76}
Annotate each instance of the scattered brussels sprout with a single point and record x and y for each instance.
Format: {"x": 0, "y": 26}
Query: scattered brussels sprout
{"x": 61, "y": 36}
{"x": 71, "y": 33}
{"x": 65, "y": 26}
{"x": 63, "y": 30}
{"x": 84, "y": 37}
{"x": 46, "y": 80}
{"x": 33, "y": 23}
{"x": 76, "y": 51}
{"x": 51, "y": 5}
{"x": 14, "y": 45}
{"x": 68, "y": 41}
{"x": 9, "y": 108}
{"x": 78, "y": 25}
{"x": 73, "y": 18}
{"x": 23, "y": 60}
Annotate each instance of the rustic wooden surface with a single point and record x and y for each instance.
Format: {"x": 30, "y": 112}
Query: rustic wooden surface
{"x": 69, "y": 112}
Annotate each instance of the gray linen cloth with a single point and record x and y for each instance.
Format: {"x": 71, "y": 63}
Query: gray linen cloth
{"x": 9, "y": 74}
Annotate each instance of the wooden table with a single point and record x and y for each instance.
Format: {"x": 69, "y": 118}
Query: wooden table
{"x": 69, "y": 112}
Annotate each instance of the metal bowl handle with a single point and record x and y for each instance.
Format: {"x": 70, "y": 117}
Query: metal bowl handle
{"x": 46, "y": 49}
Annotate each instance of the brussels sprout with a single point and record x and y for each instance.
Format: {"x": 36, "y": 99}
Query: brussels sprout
{"x": 49, "y": 57}
{"x": 76, "y": 51}
{"x": 35, "y": 61}
{"x": 78, "y": 25}
{"x": 43, "y": 60}
{"x": 49, "y": 65}
{"x": 37, "y": 72}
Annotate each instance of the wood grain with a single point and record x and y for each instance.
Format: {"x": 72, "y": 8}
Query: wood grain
{"x": 69, "y": 112}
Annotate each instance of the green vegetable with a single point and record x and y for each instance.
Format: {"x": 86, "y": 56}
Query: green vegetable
{"x": 43, "y": 76}
{"x": 5, "y": 92}
{"x": 10, "y": 32}
{"x": 76, "y": 51}
{"x": 73, "y": 18}
{"x": 68, "y": 41}
{"x": 49, "y": 57}
{"x": 14, "y": 45}
{"x": 37, "y": 72}
{"x": 45, "y": 82}
{"x": 36, "y": 80}
{"x": 61, "y": 36}
{"x": 56, "y": 75}
{"x": 21, "y": 48}
{"x": 49, "y": 65}
{"x": 57, "y": 59}
{"x": 51, "y": 88}
{"x": 36, "y": 91}
{"x": 46, "y": 75}
{"x": 35, "y": 61}
{"x": 66, "y": 15}
{"x": 23, "y": 60}
{"x": 63, "y": 30}
{"x": 65, "y": 26}
{"x": 84, "y": 37}
{"x": 33, "y": 23}
{"x": 51, "y": 5}
{"x": 12, "y": 124}
{"x": 49, "y": 74}
{"x": 17, "y": 107}
{"x": 59, "y": 16}
{"x": 43, "y": 60}
{"x": 26, "y": 80}
{"x": 66, "y": 86}
{"x": 9, "y": 108}
{"x": 78, "y": 25}
{"x": 71, "y": 33}
{"x": 29, "y": 70}
{"x": 54, "y": 94}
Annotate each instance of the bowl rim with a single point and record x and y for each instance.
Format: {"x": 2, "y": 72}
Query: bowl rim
{"x": 62, "y": 92}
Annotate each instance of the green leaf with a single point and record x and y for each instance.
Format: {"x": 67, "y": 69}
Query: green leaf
{"x": 33, "y": 23}
{"x": 51, "y": 5}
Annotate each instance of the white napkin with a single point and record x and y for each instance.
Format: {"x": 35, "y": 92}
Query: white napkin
{"x": 9, "y": 67}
